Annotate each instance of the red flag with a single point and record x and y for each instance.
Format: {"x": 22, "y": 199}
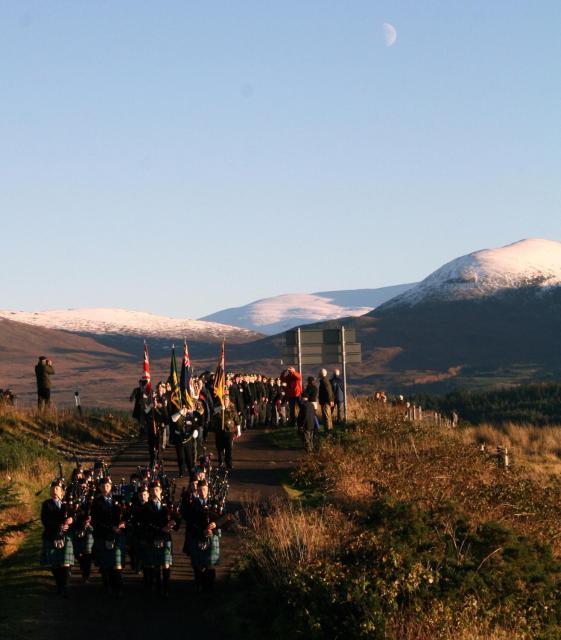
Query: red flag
{"x": 146, "y": 372}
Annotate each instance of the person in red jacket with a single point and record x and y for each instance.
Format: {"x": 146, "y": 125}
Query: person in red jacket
{"x": 293, "y": 381}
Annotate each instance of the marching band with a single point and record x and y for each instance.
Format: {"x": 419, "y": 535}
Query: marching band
{"x": 98, "y": 522}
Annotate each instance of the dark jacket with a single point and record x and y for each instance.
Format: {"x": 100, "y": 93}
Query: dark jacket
{"x": 311, "y": 392}
{"x": 52, "y": 518}
{"x": 307, "y": 417}
{"x": 43, "y": 371}
{"x": 338, "y": 389}
{"x": 154, "y": 521}
{"x": 104, "y": 517}
{"x": 325, "y": 394}
{"x": 237, "y": 397}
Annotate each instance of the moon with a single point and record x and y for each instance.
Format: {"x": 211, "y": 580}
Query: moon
{"x": 390, "y": 34}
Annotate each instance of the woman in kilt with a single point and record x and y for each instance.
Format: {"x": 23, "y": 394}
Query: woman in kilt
{"x": 204, "y": 539}
{"x": 159, "y": 520}
{"x": 108, "y": 520}
{"x": 57, "y": 552}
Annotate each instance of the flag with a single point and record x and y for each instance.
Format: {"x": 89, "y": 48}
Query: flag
{"x": 175, "y": 397}
{"x": 146, "y": 372}
{"x": 220, "y": 378}
{"x": 185, "y": 381}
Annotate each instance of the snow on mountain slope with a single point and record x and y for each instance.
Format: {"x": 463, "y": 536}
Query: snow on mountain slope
{"x": 279, "y": 313}
{"x": 532, "y": 262}
{"x": 125, "y": 322}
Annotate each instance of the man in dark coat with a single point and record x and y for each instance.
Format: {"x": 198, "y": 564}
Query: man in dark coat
{"x": 237, "y": 398}
{"x": 338, "y": 395}
{"x": 43, "y": 372}
{"x": 325, "y": 397}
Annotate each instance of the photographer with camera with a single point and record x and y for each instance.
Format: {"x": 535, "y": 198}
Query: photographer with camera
{"x": 293, "y": 380}
{"x": 43, "y": 372}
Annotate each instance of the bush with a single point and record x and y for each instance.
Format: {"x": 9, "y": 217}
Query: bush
{"x": 406, "y": 543}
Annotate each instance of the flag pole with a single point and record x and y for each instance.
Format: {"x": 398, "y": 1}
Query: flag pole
{"x": 223, "y": 384}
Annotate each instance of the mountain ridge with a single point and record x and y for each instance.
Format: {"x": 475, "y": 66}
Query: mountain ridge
{"x": 280, "y": 313}
{"x": 487, "y": 272}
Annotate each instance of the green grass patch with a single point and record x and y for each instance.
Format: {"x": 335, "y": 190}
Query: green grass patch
{"x": 283, "y": 438}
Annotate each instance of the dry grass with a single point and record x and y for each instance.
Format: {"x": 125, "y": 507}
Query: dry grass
{"x": 289, "y": 535}
{"x": 386, "y": 455}
{"x": 439, "y": 470}
{"x": 536, "y": 449}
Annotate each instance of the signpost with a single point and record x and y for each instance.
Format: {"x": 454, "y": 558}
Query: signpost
{"x": 323, "y": 346}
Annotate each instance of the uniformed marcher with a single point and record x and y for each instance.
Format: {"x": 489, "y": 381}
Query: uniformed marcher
{"x": 225, "y": 431}
{"x": 108, "y": 520}
{"x": 83, "y": 529}
{"x": 159, "y": 521}
{"x": 57, "y": 552}
{"x": 204, "y": 541}
{"x": 186, "y": 427}
{"x": 138, "y": 549}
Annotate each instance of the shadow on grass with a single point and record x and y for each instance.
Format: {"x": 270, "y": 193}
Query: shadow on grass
{"x": 23, "y": 586}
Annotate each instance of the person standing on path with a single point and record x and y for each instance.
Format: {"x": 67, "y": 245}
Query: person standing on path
{"x": 204, "y": 540}
{"x": 293, "y": 381}
{"x": 57, "y": 550}
{"x": 310, "y": 393}
{"x": 325, "y": 396}
{"x": 109, "y": 537}
{"x": 338, "y": 395}
{"x": 43, "y": 372}
{"x": 307, "y": 421}
{"x": 225, "y": 436}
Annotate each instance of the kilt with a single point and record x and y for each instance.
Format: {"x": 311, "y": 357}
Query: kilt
{"x": 140, "y": 552}
{"x": 109, "y": 554}
{"x": 53, "y": 557}
{"x": 158, "y": 553}
{"x": 205, "y": 555}
{"x": 83, "y": 544}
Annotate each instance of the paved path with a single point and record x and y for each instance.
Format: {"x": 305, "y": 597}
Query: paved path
{"x": 258, "y": 471}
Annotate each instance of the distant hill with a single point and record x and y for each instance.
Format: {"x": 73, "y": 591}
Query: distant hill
{"x": 124, "y": 322}
{"x": 280, "y": 313}
{"x": 490, "y": 318}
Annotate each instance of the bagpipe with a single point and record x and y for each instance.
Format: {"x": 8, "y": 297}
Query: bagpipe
{"x": 218, "y": 487}
{"x": 173, "y": 508}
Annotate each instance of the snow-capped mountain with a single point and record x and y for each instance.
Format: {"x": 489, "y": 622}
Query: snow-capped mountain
{"x": 129, "y": 323}
{"x": 534, "y": 262}
{"x": 280, "y": 313}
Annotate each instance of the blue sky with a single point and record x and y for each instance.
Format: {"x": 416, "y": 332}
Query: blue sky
{"x": 182, "y": 157}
